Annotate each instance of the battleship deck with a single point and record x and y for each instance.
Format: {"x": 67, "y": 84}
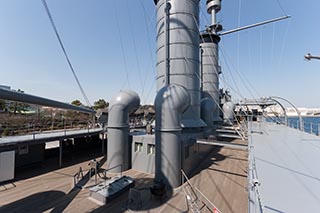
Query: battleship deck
{"x": 222, "y": 178}
{"x": 285, "y": 162}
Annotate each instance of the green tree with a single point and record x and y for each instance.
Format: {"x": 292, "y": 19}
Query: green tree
{"x": 2, "y": 105}
{"x": 76, "y": 102}
{"x": 17, "y": 106}
{"x": 100, "y": 104}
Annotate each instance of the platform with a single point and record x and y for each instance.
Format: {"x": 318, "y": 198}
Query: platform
{"x": 285, "y": 162}
{"x": 48, "y": 136}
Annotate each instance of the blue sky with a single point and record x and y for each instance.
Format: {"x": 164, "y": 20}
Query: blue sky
{"x": 112, "y": 46}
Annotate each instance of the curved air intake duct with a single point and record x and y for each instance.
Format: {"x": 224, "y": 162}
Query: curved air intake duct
{"x": 118, "y": 129}
{"x": 170, "y": 103}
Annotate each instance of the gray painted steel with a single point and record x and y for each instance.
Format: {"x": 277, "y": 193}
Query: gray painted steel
{"x": 253, "y": 25}
{"x": 183, "y": 53}
{"x": 141, "y": 159}
{"x": 47, "y": 136}
{"x": 118, "y": 128}
{"x": 7, "y": 161}
{"x": 111, "y": 189}
{"x": 210, "y": 71}
{"x": 208, "y": 108}
{"x": 228, "y": 112}
{"x": 171, "y": 101}
{"x": 283, "y": 162}
{"x": 31, "y": 99}
{"x": 213, "y": 5}
{"x": 222, "y": 143}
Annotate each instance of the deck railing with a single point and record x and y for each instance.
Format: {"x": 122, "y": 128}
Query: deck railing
{"x": 8, "y": 129}
{"x": 308, "y": 127}
{"x": 193, "y": 197}
{"x": 256, "y": 203}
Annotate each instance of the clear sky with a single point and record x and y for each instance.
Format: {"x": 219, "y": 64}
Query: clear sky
{"x": 112, "y": 46}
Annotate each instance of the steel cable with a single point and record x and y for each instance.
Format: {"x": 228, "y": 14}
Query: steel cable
{"x": 64, "y": 51}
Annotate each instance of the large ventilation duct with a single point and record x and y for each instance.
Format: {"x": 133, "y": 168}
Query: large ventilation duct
{"x": 170, "y": 103}
{"x": 210, "y": 71}
{"x": 118, "y": 129}
{"x": 31, "y": 99}
{"x": 182, "y": 57}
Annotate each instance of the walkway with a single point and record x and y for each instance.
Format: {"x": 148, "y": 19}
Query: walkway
{"x": 287, "y": 167}
{"x": 48, "y": 136}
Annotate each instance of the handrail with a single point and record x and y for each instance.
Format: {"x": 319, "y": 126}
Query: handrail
{"x": 76, "y": 176}
{"x": 193, "y": 188}
{"x": 297, "y": 110}
{"x": 253, "y": 181}
{"x": 314, "y": 127}
{"x": 33, "y": 128}
{"x": 119, "y": 165}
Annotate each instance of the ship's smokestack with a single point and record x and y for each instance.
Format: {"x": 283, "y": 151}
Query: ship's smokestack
{"x": 118, "y": 129}
{"x": 210, "y": 71}
{"x": 178, "y": 52}
{"x": 210, "y": 68}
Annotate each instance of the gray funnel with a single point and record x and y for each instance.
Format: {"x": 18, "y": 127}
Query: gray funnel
{"x": 182, "y": 39}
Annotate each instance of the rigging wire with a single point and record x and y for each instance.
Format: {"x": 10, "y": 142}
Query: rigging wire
{"x": 198, "y": 76}
{"x": 122, "y": 50}
{"x": 236, "y": 89}
{"x": 245, "y": 81}
{"x": 135, "y": 49}
{"x": 151, "y": 20}
{"x": 284, "y": 12}
{"x": 238, "y": 35}
{"x": 65, "y": 52}
{"x": 242, "y": 77}
{"x": 222, "y": 77}
{"x": 273, "y": 41}
{"x": 284, "y": 41}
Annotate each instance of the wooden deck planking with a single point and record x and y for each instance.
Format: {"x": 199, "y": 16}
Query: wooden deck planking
{"x": 223, "y": 180}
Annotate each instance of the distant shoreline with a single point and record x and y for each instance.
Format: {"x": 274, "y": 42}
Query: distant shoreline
{"x": 296, "y": 116}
